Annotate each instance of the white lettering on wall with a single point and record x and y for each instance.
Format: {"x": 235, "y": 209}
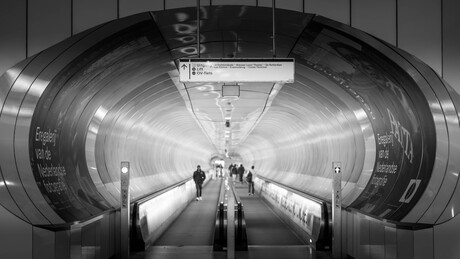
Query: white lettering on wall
{"x": 402, "y": 135}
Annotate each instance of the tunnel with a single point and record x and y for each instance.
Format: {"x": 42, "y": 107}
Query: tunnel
{"x": 71, "y": 113}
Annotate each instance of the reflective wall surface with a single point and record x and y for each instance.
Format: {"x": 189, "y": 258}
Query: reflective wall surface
{"x": 30, "y": 27}
{"x": 73, "y": 112}
{"x": 112, "y": 94}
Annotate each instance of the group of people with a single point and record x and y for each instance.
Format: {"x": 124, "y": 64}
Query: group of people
{"x": 199, "y": 176}
{"x": 219, "y": 172}
{"x": 238, "y": 172}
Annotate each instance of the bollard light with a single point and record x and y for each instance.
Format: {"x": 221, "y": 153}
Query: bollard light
{"x": 337, "y": 210}
{"x": 124, "y": 209}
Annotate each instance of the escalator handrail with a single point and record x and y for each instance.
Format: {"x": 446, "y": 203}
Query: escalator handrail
{"x": 220, "y": 237}
{"x": 325, "y": 233}
{"x": 241, "y": 241}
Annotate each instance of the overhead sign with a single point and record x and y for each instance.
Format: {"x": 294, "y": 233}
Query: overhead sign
{"x": 196, "y": 70}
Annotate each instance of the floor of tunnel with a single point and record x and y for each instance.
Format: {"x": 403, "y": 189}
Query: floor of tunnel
{"x": 195, "y": 225}
{"x": 263, "y": 226}
{"x": 268, "y": 236}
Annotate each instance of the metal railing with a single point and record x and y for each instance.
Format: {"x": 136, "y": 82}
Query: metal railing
{"x": 220, "y": 230}
{"x": 323, "y": 240}
{"x": 241, "y": 240}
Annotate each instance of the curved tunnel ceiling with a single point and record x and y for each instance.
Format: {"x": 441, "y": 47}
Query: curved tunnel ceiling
{"x": 71, "y": 113}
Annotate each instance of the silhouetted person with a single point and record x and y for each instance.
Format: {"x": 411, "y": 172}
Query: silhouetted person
{"x": 230, "y": 170}
{"x": 234, "y": 172}
{"x": 250, "y": 181}
{"x": 198, "y": 177}
{"x": 241, "y": 172}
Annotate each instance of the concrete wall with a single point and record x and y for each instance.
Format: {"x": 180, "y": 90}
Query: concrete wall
{"x": 425, "y": 28}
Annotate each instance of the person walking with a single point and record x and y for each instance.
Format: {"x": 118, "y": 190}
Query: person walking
{"x": 230, "y": 170}
{"x": 199, "y": 177}
{"x": 241, "y": 172}
{"x": 250, "y": 181}
{"x": 234, "y": 172}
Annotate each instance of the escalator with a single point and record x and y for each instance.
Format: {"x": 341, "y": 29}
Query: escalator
{"x": 268, "y": 236}
{"x": 191, "y": 235}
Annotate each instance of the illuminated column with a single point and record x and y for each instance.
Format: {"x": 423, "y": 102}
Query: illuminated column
{"x": 337, "y": 211}
{"x": 124, "y": 210}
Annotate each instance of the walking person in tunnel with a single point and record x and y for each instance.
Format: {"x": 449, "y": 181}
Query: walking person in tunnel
{"x": 198, "y": 177}
{"x": 241, "y": 172}
{"x": 250, "y": 181}
{"x": 234, "y": 172}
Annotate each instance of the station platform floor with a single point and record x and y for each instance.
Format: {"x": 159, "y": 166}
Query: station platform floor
{"x": 191, "y": 234}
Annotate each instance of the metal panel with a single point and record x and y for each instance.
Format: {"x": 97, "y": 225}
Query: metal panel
{"x": 418, "y": 34}
{"x": 171, "y": 4}
{"x": 88, "y": 13}
{"x": 114, "y": 221}
{"x": 266, "y": 3}
{"x": 375, "y": 17}
{"x": 444, "y": 113}
{"x": 12, "y": 24}
{"x": 405, "y": 243}
{"x": 105, "y": 237}
{"x": 75, "y": 243}
{"x": 7, "y": 156}
{"x": 62, "y": 249}
{"x": 451, "y": 42}
{"x": 351, "y": 231}
{"x": 21, "y": 140}
{"x": 391, "y": 206}
{"x": 129, "y": 7}
{"x": 47, "y": 28}
{"x": 43, "y": 243}
{"x": 27, "y": 179}
{"x": 423, "y": 244}
{"x": 15, "y": 237}
{"x": 377, "y": 239}
{"x": 6, "y": 82}
{"x": 46, "y": 76}
{"x": 390, "y": 243}
{"x": 294, "y": 5}
{"x": 89, "y": 241}
{"x": 363, "y": 236}
{"x": 234, "y": 2}
{"x": 332, "y": 9}
{"x": 445, "y": 239}
{"x": 345, "y": 232}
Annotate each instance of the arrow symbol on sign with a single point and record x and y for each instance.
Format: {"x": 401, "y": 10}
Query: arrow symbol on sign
{"x": 184, "y": 66}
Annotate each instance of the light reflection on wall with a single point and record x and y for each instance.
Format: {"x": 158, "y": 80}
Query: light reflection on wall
{"x": 305, "y": 213}
{"x": 158, "y": 213}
